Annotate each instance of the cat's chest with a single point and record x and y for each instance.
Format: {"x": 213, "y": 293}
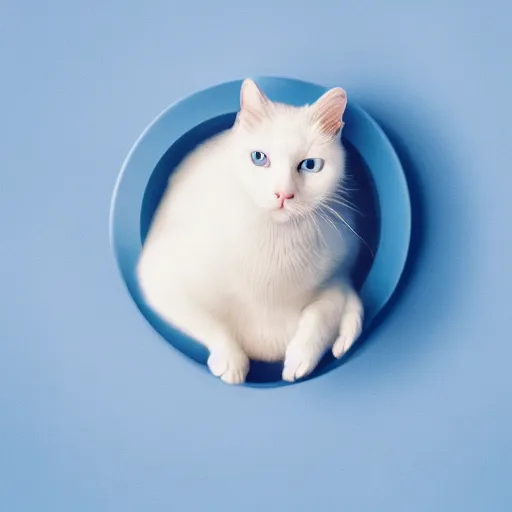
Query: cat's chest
{"x": 278, "y": 262}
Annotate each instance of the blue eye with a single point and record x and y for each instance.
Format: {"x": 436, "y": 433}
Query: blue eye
{"x": 259, "y": 158}
{"x": 311, "y": 165}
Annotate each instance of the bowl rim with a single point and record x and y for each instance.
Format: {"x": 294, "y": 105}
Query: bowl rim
{"x": 205, "y": 104}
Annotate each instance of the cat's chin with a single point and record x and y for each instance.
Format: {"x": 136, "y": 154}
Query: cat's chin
{"x": 281, "y": 216}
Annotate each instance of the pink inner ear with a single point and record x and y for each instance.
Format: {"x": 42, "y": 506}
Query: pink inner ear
{"x": 253, "y": 103}
{"x": 251, "y": 97}
{"x": 329, "y": 111}
{"x": 331, "y": 126}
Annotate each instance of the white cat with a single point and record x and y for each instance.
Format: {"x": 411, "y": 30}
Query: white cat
{"x": 245, "y": 242}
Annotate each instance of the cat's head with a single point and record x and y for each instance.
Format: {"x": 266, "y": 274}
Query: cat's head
{"x": 289, "y": 159}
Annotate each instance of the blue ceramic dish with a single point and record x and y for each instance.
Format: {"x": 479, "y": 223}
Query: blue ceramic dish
{"x": 178, "y": 129}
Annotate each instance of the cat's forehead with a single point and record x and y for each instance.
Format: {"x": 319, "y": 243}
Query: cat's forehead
{"x": 288, "y": 127}
{"x": 295, "y": 119}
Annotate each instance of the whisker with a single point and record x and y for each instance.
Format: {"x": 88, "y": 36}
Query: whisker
{"x": 330, "y": 221}
{"x": 345, "y": 198}
{"x": 334, "y": 212}
{"x": 308, "y": 216}
{"x": 342, "y": 188}
{"x": 318, "y": 230}
{"x": 346, "y": 204}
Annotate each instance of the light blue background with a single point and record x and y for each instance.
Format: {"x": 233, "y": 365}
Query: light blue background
{"x": 98, "y": 414}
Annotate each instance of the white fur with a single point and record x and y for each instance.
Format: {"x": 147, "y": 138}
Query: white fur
{"x": 247, "y": 279}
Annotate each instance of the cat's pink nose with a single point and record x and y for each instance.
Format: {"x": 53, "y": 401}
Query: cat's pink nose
{"x": 283, "y": 196}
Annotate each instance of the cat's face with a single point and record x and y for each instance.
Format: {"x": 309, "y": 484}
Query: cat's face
{"x": 288, "y": 159}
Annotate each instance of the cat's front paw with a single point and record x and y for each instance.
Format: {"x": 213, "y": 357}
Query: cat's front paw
{"x": 350, "y": 329}
{"x": 231, "y": 365}
{"x": 300, "y": 360}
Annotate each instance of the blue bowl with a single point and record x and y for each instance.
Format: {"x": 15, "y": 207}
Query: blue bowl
{"x": 382, "y": 197}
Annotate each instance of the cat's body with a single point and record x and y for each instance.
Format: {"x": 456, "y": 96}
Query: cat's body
{"x": 231, "y": 264}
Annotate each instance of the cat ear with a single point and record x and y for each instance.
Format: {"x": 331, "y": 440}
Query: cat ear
{"x": 328, "y": 111}
{"x": 253, "y": 103}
